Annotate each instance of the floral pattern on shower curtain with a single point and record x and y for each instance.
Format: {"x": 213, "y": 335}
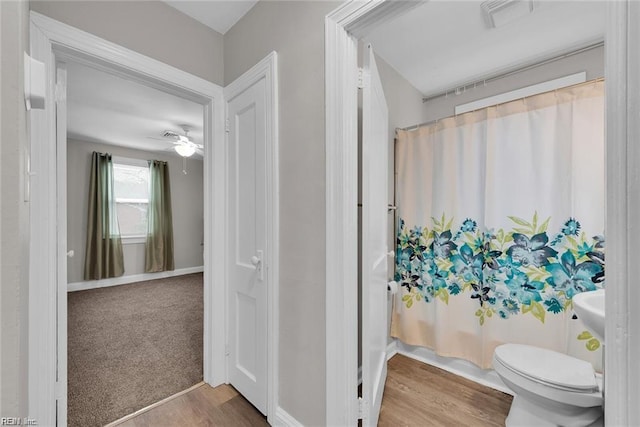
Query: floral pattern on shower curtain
{"x": 500, "y": 224}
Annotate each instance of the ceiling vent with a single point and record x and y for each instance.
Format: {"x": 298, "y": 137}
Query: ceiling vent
{"x": 170, "y": 134}
{"x": 500, "y": 12}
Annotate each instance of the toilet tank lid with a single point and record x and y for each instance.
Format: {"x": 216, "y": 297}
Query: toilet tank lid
{"x": 548, "y": 366}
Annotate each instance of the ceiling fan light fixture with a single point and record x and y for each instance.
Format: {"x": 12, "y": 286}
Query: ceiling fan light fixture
{"x": 184, "y": 150}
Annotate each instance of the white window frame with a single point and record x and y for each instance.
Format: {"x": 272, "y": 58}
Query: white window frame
{"x": 127, "y": 161}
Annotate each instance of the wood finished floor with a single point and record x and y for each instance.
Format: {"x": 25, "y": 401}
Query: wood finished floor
{"x": 204, "y": 406}
{"x": 415, "y": 394}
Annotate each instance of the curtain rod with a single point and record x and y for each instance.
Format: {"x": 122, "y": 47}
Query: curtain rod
{"x": 483, "y": 82}
{"x": 431, "y": 122}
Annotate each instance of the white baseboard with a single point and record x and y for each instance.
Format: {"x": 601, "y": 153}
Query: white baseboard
{"x": 284, "y": 419}
{"x": 392, "y": 348}
{"x": 463, "y": 368}
{"x": 123, "y": 280}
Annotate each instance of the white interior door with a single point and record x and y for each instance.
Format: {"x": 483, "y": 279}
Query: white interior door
{"x": 375, "y": 143}
{"x": 247, "y": 244}
{"x": 61, "y": 189}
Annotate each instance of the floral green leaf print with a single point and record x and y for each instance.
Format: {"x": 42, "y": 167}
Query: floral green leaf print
{"x": 544, "y": 226}
{"x": 520, "y": 221}
{"x": 538, "y": 311}
{"x": 585, "y": 335}
{"x": 534, "y": 273}
{"x": 592, "y": 343}
{"x": 508, "y": 272}
{"x": 443, "y": 295}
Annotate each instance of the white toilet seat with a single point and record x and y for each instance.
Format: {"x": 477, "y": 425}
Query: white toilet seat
{"x": 548, "y": 367}
{"x": 574, "y": 384}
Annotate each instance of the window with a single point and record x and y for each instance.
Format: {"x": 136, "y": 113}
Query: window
{"x": 131, "y": 187}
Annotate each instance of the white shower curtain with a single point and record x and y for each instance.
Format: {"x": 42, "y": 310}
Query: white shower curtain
{"x": 500, "y": 223}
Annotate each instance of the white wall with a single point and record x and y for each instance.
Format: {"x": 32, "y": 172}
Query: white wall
{"x": 14, "y": 214}
{"x": 186, "y": 203}
{"x": 296, "y": 31}
{"x": 152, "y": 28}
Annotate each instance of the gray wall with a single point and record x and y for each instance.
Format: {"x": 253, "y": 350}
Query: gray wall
{"x": 186, "y": 202}
{"x": 296, "y": 31}
{"x": 14, "y": 215}
{"x": 152, "y": 28}
{"x": 591, "y": 61}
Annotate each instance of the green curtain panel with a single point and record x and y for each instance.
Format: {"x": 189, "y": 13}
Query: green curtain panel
{"x": 159, "y": 245}
{"x": 104, "y": 256}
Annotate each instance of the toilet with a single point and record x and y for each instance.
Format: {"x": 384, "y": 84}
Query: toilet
{"x": 551, "y": 389}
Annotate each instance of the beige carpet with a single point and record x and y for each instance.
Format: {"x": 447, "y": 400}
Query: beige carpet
{"x": 132, "y": 345}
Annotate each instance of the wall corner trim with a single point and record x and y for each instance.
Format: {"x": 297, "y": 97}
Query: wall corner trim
{"x": 133, "y": 278}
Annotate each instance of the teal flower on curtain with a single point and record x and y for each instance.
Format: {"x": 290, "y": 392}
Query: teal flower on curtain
{"x": 522, "y": 289}
{"x": 531, "y": 251}
{"x": 468, "y": 225}
{"x": 571, "y": 227}
{"x": 572, "y": 278}
{"x": 509, "y": 272}
{"x": 442, "y": 244}
{"x": 467, "y": 264}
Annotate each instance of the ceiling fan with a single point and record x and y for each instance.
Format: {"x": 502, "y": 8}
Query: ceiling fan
{"x": 183, "y": 145}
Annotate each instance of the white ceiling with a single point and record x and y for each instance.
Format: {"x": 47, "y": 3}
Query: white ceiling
{"x": 436, "y": 47}
{"x": 444, "y": 44}
{"x": 109, "y": 109}
{"x": 219, "y": 15}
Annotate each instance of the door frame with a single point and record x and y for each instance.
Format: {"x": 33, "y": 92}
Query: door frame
{"x": 343, "y": 27}
{"x": 50, "y": 41}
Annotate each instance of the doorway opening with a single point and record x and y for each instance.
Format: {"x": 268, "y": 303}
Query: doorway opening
{"x": 345, "y": 27}
{"x": 135, "y": 310}
{"x": 54, "y": 43}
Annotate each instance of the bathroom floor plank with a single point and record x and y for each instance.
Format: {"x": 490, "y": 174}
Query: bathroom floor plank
{"x": 417, "y": 394}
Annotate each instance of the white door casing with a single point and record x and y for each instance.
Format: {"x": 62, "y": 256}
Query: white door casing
{"x": 251, "y": 207}
{"x": 343, "y": 27}
{"x": 622, "y": 61}
{"x": 61, "y": 153}
{"x": 375, "y": 248}
{"x": 51, "y": 40}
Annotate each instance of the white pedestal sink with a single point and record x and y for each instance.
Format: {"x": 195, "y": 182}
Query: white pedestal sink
{"x": 589, "y": 306}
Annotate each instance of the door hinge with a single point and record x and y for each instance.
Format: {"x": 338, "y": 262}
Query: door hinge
{"x": 363, "y": 79}
{"x": 226, "y": 350}
{"x": 226, "y": 125}
{"x": 362, "y": 408}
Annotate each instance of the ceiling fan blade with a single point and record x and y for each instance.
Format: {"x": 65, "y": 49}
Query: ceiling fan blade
{"x": 160, "y": 139}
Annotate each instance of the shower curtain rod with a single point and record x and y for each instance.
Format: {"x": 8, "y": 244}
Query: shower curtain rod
{"x": 431, "y": 122}
{"x": 512, "y": 72}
